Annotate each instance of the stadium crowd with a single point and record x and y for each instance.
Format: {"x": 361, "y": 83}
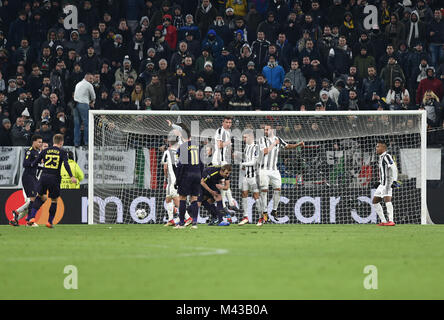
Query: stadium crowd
{"x": 225, "y": 55}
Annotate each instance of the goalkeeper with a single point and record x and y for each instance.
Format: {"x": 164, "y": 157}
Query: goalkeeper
{"x": 388, "y": 175}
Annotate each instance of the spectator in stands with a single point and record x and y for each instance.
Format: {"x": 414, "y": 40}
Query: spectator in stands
{"x": 430, "y": 103}
{"x": 435, "y": 35}
{"x": 296, "y": 77}
{"x": 85, "y": 97}
{"x": 429, "y": 84}
{"x": 340, "y": 58}
{"x": 415, "y": 30}
{"x": 373, "y": 89}
{"x": 21, "y": 132}
{"x": 156, "y": 91}
{"x": 390, "y": 72}
{"x": 363, "y": 61}
{"x": 274, "y": 73}
{"x": 310, "y": 96}
{"x": 5, "y": 133}
{"x": 205, "y": 15}
{"x": 395, "y": 96}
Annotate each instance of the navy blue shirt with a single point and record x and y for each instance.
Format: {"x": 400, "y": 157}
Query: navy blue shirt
{"x": 30, "y": 155}
{"x": 53, "y": 157}
{"x": 189, "y": 163}
{"x": 211, "y": 176}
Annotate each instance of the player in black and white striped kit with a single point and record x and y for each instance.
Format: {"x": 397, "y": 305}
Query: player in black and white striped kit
{"x": 222, "y": 155}
{"x": 388, "y": 176}
{"x": 250, "y": 177}
{"x": 270, "y": 145}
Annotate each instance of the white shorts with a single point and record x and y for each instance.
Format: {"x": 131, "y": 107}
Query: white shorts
{"x": 382, "y": 192}
{"x": 250, "y": 184}
{"x": 171, "y": 192}
{"x": 267, "y": 177}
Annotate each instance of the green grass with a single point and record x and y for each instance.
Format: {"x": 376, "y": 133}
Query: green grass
{"x": 272, "y": 262}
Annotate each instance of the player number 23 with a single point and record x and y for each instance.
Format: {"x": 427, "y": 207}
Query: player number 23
{"x": 52, "y": 161}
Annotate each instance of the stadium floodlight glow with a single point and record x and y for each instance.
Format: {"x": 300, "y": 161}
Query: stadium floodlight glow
{"x": 327, "y": 181}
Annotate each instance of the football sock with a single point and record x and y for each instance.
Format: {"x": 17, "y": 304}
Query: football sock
{"x": 220, "y": 208}
{"x": 182, "y": 209}
{"x": 223, "y": 194}
{"x": 389, "y": 207}
{"x": 194, "y": 210}
{"x": 170, "y": 210}
{"x": 187, "y": 215}
{"x": 259, "y": 205}
{"x": 24, "y": 207}
{"x": 24, "y": 212}
{"x": 36, "y": 206}
{"x": 52, "y": 212}
{"x": 276, "y": 199}
{"x": 211, "y": 209}
{"x": 380, "y": 212}
{"x": 245, "y": 206}
{"x": 264, "y": 201}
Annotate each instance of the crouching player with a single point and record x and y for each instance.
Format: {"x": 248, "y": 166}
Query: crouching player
{"x": 53, "y": 158}
{"x": 189, "y": 173}
{"x": 388, "y": 175}
{"x": 29, "y": 181}
{"x": 212, "y": 186}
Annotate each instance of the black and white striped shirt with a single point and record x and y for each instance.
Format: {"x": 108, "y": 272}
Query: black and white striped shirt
{"x": 251, "y": 154}
{"x": 221, "y": 155}
{"x": 269, "y": 161}
{"x": 387, "y": 170}
{"x": 170, "y": 159}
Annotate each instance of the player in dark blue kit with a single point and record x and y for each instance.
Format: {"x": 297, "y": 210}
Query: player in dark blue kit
{"x": 211, "y": 183}
{"x": 29, "y": 182}
{"x": 189, "y": 172}
{"x": 53, "y": 158}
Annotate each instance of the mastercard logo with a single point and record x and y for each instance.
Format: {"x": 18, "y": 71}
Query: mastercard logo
{"x": 16, "y": 200}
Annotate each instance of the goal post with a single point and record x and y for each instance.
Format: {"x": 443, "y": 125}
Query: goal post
{"x": 329, "y": 180}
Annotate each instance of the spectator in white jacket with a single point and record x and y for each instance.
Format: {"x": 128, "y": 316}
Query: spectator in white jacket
{"x": 396, "y": 95}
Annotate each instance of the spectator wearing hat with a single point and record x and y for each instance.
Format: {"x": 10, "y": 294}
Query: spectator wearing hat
{"x": 327, "y": 103}
{"x": 220, "y": 61}
{"x": 395, "y": 96}
{"x": 205, "y": 15}
{"x": 178, "y": 82}
{"x": 5, "y": 132}
{"x": 145, "y": 76}
{"x": 415, "y": 30}
{"x": 296, "y": 77}
{"x": 362, "y": 61}
{"x": 208, "y": 94}
{"x": 213, "y": 42}
{"x": 115, "y": 101}
{"x": 125, "y": 71}
{"x": 168, "y": 31}
{"x": 74, "y": 42}
{"x": 166, "y": 8}
{"x": 240, "y": 101}
{"x": 126, "y": 103}
{"x": 274, "y": 101}
{"x": 209, "y": 75}
{"x": 17, "y": 30}
{"x": 203, "y": 59}
{"x": 236, "y": 45}
{"x": 391, "y": 71}
{"x": 45, "y": 130}
{"x": 156, "y": 91}
{"x": 290, "y": 96}
{"x": 146, "y": 104}
{"x": 431, "y": 83}
{"x": 189, "y": 27}
{"x": 270, "y": 27}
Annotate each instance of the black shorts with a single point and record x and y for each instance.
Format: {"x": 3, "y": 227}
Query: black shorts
{"x": 189, "y": 185}
{"x": 204, "y": 195}
{"x": 30, "y": 183}
{"x": 51, "y": 183}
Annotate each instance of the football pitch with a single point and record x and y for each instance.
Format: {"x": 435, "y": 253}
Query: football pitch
{"x": 235, "y": 262}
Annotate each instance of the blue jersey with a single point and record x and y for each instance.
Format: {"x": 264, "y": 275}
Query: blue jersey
{"x": 30, "y": 155}
{"x": 53, "y": 158}
{"x": 211, "y": 176}
{"x": 189, "y": 169}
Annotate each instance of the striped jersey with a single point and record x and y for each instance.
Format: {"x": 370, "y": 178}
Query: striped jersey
{"x": 170, "y": 159}
{"x": 269, "y": 161}
{"x": 251, "y": 155}
{"x": 387, "y": 170}
{"x": 221, "y": 156}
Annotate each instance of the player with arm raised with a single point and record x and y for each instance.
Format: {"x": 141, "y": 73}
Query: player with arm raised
{"x": 212, "y": 186}
{"x": 269, "y": 146}
{"x": 189, "y": 172}
{"x": 388, "y": 176}
{"x": 169, "y": 162}
{"x": 53, "y": 158}
{"x": 29, "y": 182}
{"x": 222, "y": 156}
{"x": 249, "y": 168}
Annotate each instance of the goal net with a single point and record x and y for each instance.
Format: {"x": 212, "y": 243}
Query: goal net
{"x": 329, "y": 180}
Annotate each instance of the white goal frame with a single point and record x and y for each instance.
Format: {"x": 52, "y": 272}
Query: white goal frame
{"x": 424, "y": 213}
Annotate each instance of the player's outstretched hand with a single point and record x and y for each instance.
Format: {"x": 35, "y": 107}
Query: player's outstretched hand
{"x": 396, "y": 184}
{"x": 169, "y": 123}
{"x": 302, "y": 144}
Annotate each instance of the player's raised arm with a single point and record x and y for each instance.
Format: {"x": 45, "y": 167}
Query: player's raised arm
{"x": 295, "y": 145}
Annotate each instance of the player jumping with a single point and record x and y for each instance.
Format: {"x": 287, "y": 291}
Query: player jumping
{"x": 249, "y": 180}
{"x": 212, "y": 187}
{"x": 29, "y": 181}
{"x": 53, "y": 158}
{"x": 269, "y": 146}
{"x": 388, "y": 176}
{"x": 189, "y": 172}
